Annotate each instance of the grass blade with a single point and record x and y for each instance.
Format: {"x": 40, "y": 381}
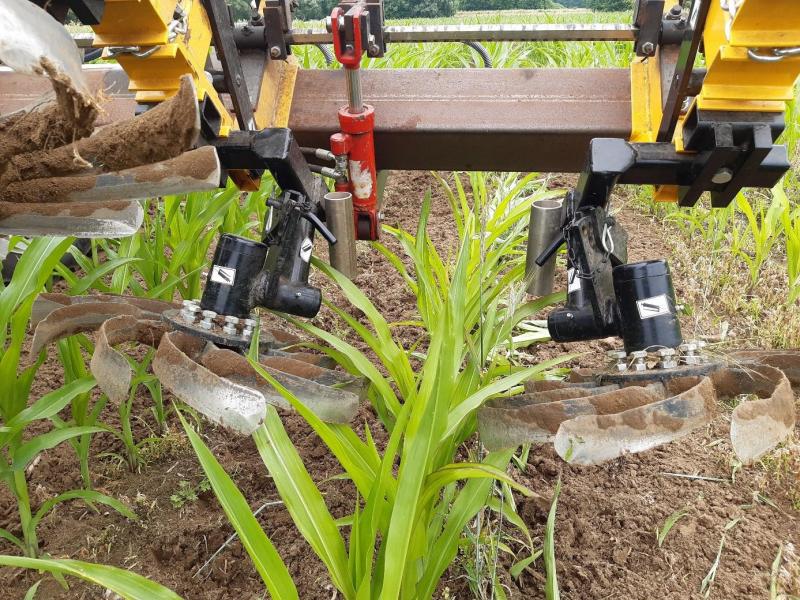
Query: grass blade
{"x": 265, "y": 557}
{"x": 551, "y": 591}
{"x": 127, "y": 584}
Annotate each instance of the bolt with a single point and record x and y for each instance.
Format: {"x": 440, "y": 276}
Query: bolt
{"x": 230, "y": 325}
{"x": 639, "y": 360}
{"x": 688, "y": 356}
{"x": 249, "y": 326}
{"x": 668, "y": 360}
{"x": 208, "y": 319}
{"x": 722, "y": 176}
{"x": 620, "y": 358}
{"x": 275, "y": 52}
{"x": 190, "y": 310}
{"x": 648, "y": 48}
{"x": 676, "y": 11}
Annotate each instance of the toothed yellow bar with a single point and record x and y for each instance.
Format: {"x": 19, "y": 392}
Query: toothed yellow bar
{"x": 154, "y": 78}
{"x": 737, "y": 82}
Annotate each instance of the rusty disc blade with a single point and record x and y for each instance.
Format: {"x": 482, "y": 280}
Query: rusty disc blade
{"x": 760, "y": 424}
{"x": 222, "y": 401}
{"x": 109, "y": 366}
{"x": 120, "y": 218}
{"x": 191, "y": 171}
{"x": 84, "y": 313}
{"x": 594, "y": 439}
{"x": 536, "y": 417}
{"x": 223, "y": 386}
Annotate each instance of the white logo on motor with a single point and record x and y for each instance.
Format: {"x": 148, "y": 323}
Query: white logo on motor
{"x": 223, "y": 275}
{"x": 653, "y": 307}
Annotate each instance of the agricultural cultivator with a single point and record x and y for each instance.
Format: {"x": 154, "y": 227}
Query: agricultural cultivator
{"x": 194, "y": 99}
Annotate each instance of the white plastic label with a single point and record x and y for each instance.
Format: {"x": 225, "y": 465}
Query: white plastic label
{"x": 305, "y": 250}
{"x": 653, "y": 307}
{"x": 223, "y": 275}
{"x": 573, "y": 281}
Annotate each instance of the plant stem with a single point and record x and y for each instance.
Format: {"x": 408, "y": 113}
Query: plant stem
{"x": 24, "y": 505}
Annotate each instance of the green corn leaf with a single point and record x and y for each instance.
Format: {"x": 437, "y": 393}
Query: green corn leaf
{"x": 302, "y": 499}
{"x": 551, "y": 590}
{"x": 518, "y": 567}
{"x": 360, "y": 463}
{"x": 31, "y": 593}
{"x": 127, "y": 584}
{"x": 28, "y": 451}
{"x": 468, "y": 502}
{"x": 458, "y": 471}
{"x": 476, "y": 400}
{"x": 51, "y": 403}
{"x": 265, "y": 557}
{"x": 10, "y": 537}
{"x": 669, "y": 523}
{"x": 89, "y": 496}
{"x": 87, "y": 281}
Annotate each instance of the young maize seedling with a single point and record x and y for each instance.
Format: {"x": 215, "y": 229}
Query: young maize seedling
{"x": 407, "y": 525}
{"x": 18, "y": 450}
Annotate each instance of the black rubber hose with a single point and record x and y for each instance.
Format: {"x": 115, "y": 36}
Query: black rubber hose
{"x": 326, "y": 52}
{"x": 484, "y": 53}
{"x": 93, "y": 54}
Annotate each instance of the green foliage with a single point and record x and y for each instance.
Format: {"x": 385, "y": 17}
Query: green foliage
{"x": 18, "y": 446}
{"x": 505, "y": 4}
{"x": 187, "y": 492}
{"x": 409, "y": 512}
{"x": 126, "y": 584}
{"x": 609, "y": 5}
{"x": 394, "y": 9}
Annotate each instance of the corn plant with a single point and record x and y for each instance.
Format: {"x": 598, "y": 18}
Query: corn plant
{"x": 123, "y": 583}
{"x": 18, "y": 447}
{"x": 409, "y": 511}
{"x": 764, "y": 229}
{"x": 82, "y": 411}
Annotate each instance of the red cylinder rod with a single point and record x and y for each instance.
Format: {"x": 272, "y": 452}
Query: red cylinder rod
{"x": 357, "y": 122}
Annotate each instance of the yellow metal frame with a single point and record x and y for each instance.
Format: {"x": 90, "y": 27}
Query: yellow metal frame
{"x": 734, "y": 81}
{"x": 154, "y": 78}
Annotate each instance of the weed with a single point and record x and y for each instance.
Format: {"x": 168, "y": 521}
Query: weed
{"x": 669, "y": 523}
{"x": 551, "y": 590}
{"x": 708, "y": 580}
{"x": 187, "y": 492}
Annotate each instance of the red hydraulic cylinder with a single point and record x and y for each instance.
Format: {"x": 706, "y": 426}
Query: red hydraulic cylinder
{"x": 356, "y": 141}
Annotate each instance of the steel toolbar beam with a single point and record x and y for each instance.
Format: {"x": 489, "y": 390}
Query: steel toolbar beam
{"x": 473, "y": 119}
{"x": 446, "y": 119}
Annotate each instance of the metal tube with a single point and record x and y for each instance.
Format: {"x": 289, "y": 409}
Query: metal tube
{"x": 250, "y": 37}
{"x": 339, "y": 219}
{"x": 545, "y": 32}
{"x": 545, "y": 223}
{"x": 355, "y": 101}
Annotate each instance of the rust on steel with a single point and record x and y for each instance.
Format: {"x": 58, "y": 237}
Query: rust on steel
{"x": 478, "y": 119}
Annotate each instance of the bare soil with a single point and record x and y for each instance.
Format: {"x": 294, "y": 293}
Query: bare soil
{"x": 606, "y": 521}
